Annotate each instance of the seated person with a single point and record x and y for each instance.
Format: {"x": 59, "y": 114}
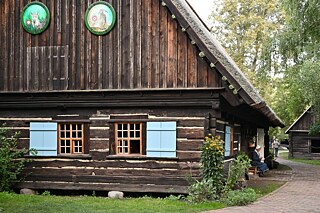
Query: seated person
{"x": 256, "y": 161}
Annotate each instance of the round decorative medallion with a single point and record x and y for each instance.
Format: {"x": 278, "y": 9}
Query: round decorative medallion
{"x": 35, "y": 17}
{"x": 100, "y": 18}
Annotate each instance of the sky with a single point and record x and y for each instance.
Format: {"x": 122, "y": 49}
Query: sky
{"x": 203, "y": 8}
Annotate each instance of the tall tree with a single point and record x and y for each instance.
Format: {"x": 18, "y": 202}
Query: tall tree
{"x": 300, "y": 49}
{"x": 246, "y": 28}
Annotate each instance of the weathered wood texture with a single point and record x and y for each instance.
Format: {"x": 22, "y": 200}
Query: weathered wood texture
{"x": 300, "y": 146}
{"x": 140, "y": 175}
{"x": 146, "y": 49}
{"x": 304, "y": 123}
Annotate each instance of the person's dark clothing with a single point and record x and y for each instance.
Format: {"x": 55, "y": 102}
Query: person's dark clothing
{"x": 262, "y": 167}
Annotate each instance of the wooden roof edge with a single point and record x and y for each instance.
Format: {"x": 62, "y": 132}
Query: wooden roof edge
{"x": 296, "y": 121}
{"x": 270, "y": 114}
{"x": 188, "y": 18}
{"x": 192, "y": 20}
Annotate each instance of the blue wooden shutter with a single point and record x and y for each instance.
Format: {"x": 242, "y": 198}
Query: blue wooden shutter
{"x": 44, "y": 138}
{"x": 227, "y": 142}
{"x": 161, "y": 139}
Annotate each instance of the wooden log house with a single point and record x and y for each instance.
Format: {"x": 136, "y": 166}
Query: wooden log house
{"x": 301, "y": 143}
{"x": 127, "y": 110}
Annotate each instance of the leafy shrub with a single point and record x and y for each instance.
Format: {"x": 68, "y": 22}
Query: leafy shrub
{"x": 46, "y": 193}
{"x": 11, "y": 159}
{"x": 202, "y": 191}
{"x": 237, "y": 169}
{"x": 212, "y": 162}
{"x": 239, "y": 197}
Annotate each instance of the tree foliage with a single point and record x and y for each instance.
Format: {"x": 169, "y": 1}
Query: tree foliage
{"x": 11, "y": 159}
{"x": 300, "y": 50}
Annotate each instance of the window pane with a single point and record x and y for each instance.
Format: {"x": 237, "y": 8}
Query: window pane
{"x": 62, "y": 127}
{"x": 68, "y": 150}
{"x": 74, "y": 134}
{"x": 125, "y": 134}
{"x": 68, "y": 134}
{"x": 135, "y": 146}
{"x": 137, "y": 126}
{"x": 125, "y": 126}
{"x": 132, "y": 126}
{"x": 63, "y": 150}
{"x": 137, "y": 134}
{"x": 79, "y": 134}
{"x": 119, "y": 126}
{"x": 74, "y": 127}
{"x": 67, "y": 142}
{"x": 119, "y": 134}
{"x": 131, "y": 134}
{"x": 67, "y": 127}
{"x": 63, "y": 143}
{"x": 62, "y": 134}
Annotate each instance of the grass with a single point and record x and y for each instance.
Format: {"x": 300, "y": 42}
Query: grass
{"x": 284, "y": 155}
{"x": 16, "y": 203}
{"x": 264, "y": 187}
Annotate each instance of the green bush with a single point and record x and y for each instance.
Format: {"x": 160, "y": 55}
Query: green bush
{"x": 202, "y": 191}
{"x": 211, "y": 186}
{"x": 212, "y": 162}
{"x": 240, "y": 197}
{"x": 11, "y": 159}
{"x": 237, "y": 169}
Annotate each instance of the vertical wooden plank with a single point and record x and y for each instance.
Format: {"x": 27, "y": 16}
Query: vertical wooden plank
{"x": 21, "y": 53}
{"x": 2, "y": 18}
{"x": 105, "y": 60}
{"x": 125, "y": 45}
{"x": 172, "y": 54}
{"x": 89, "y": 54}
{"x": 16, "y": 25}
{"x": 66, "y": 67}
{"x": 58, "y": 18}
{"x": 12, "y": 42}
{"x": 192, "y": 65}
{"x": 66, "y": 33}
{"x": 112, "y": 46}
{"x": 182, "y": 59}
{"x": 155, "y": 44}
{"x": 73, "y": 47}
{"x": 29, "y": 82}
{"x": 81, "y": 39}
{"x": 43, "y": 60}
{"x": 138, "y": 52}
{"x": 131, "y": 54}
{"x": 100, "y": 76}
{"x": 119, "y": 56}
{"x": 163, "y": 66}
{"x": 149, "y": 44}
{"x": 6, "y": 42}
{"x": 202, "y": 79}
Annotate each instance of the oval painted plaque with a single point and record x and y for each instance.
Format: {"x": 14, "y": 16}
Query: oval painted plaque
{"x": 35, "y": 17}
{"x": 100, "y": 18}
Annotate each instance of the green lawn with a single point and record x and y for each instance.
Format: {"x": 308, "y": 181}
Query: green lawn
{"x": 15, "y": 203}
{"x": 284, "y": 155}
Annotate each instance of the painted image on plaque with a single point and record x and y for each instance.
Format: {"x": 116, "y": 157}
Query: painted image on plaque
{"x": 35, "y": 17}
{"x": 100, "y": 18}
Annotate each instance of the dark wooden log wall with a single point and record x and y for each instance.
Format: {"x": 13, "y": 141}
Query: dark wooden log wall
{"x": 146, "y": 49}
{"x": 99, "y": 171}
{"x": 300, "y": 143}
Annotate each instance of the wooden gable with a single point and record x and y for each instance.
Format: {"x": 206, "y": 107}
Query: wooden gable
{"x": 303, "y": 123}
{"x": 146, "y": 49}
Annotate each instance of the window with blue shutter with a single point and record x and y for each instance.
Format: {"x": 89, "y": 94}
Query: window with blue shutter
{"x": 228, "y": 141}
{"x": 43, "y": 138}
{"x": 161, "y": 139}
